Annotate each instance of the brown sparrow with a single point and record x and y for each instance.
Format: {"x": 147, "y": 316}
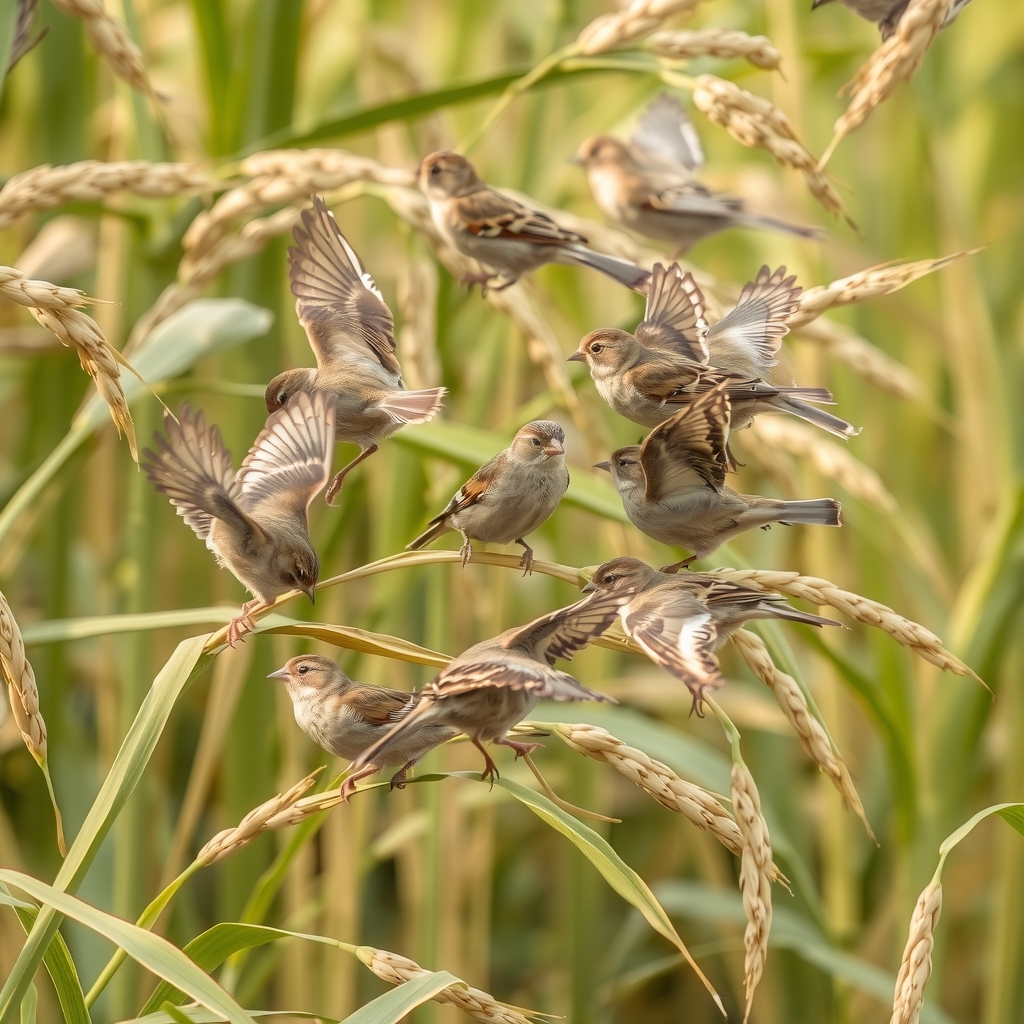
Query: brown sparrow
{"x": 679, "y": 620}
{"x": 648, "y": 375}
{"x": 887, "y": 13}
{"x": 493, "y": 686}
{"x": 673, "y": 485}
{"x": 345, "y": 717}
{"x": 352, "y": 334}
{"x": 254, "y": 521}
{"x": 508, "y": 497}
{"x": 648, "y": 184}
{"x": 497, "y": 231}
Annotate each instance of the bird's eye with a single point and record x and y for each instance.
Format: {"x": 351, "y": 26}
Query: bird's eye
{"x": 536, "y": 441}
{"x": 610, "y": 578}
{"x": 282, "y": 397}
{"x": 301, "y": 573}
{"x": 596, "y": 348}
{"x": 435, "y": 169}
{"x": 303, "y": 669}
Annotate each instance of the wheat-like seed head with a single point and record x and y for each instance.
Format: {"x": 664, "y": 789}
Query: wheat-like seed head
{"x": 865, "y": 284}
{"x": 44, "y": 187}
{"x": 111, "y": 40}
{"x": 755, "y": 877}
{"x": 809, "y": 730}
{"x": 397, "y": 970}
{"x": 895, "y": 61}
{"x": 916, "y": 966}
{"x": 781, "y": 433}
{"x": 716, "y": 42}
{"x": 21, "y": 684}
{"x": 638, "y": 19}
{"x": 758, "y": 123}
{"x": 817, "y": 591}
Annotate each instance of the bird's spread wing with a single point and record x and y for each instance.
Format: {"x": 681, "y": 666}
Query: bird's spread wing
{"x": 290, "y": 461}
{"x": 338, "y": 303}
{"x": 753, "y": 330}
{"x": 677, "y": 632}
{"x": 506, "y": 671}
{"x": 688, "y": 451}
{"x": 665, "y": 133}
{"x": 193, "y": 468}
{"x": 690, "y": 198}
{"x": 490, "y": 214}
{"x": 473, "y": 490}
{"x": 674, "y": 317}
{"x": 562, "y": 633}
{"x": 378, "y": 705}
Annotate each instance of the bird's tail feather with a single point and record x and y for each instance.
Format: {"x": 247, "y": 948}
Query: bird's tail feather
{"x": 622, "y": 271}
{"x": 435, "y": 530}
{"x": 414, "y": 406}
{"x": 786, "y": 611}
{"x": 815, "y": 512}
{"x": 771, "y": 224}
{"x": 373, "y": 752}
{"x": 820, "y": 418}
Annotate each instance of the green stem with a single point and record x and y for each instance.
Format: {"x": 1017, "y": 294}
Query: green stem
{"x": 732, "y": 734}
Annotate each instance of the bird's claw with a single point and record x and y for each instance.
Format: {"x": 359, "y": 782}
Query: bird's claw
{"x": 466, "y": 551}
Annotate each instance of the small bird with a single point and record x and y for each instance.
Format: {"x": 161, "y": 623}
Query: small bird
{"x": 679, "y": 620}
{"x": 254, "y": 521}
{"x": 648, "y": 184}
{"x": 493, "y": 686}
{"x": 508, "y": 497}
{"x": 505, "y": 236}
{"x": 673, "y": 485}
{"x": 345, "y": 717}
{"x": 352, "y": 334}
{"x": 886, "y": 14}
{"x": 671, "y": 358}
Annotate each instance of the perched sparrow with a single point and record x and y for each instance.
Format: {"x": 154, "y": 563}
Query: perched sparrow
{"x": 680, "y": 620}
{"x": 510, "y": 496}
{"x": 494, "y": 685}
{"x": 648, "y": 375}
{"x": 502, "y": 234}
{"x": 887, "y": 13}
{"x": 346, "y": 717}
{"x": 673, "y": 485}
{"x": 648, "y": 184}
{"x": 254, "y": 521}
{"x": 352, "y": 334}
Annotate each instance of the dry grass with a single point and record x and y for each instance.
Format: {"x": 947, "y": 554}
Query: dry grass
{"x": 727, "y": 44}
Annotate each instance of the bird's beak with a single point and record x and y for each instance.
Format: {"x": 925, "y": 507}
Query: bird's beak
{"x": 589, "y": 587}
{"x": 606, "y": 466}
{"x": 555, "y": 448}
{"x": 281, "y": 673}
{"x": 819, "y": 3}
{"x": 310, "y": 592}
{"x": 577, "y": 357}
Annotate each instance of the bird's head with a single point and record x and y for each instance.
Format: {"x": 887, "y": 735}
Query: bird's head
{"x": 621, "y": 572}
{"x": 539, "y": 441}
{"x": 625, "y": 467}
{"x": 601, "y": 151}
{"x": 313, "y": 671}
{"x": 606, "y": 351}
{"x": 442, "y": 175}
{"x": 296, "y": 567}
{"x": 287, "y": 384}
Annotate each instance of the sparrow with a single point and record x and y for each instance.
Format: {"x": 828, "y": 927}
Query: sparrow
{"x": 679, "y": 621}
{"x": 673, "y": 485}
{"x": 509, "y": 496}
{"x": 648, "y": 184}
{"x": 254, "y": 521}
{"x": 887, "y": 13}
{"x": 508, "y": 238}
{"x": 352, "y": 333}
{"x": 493, "y": 686}
{"x": 345, "y": 717}
{"x": 671, "y": 358}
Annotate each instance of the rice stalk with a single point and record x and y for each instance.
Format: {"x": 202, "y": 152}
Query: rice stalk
{"x": 638, "y": 19}
{"x": 916, "y": 965}
{"x": 724, "y": 43}
{"x": 809, "y": 730}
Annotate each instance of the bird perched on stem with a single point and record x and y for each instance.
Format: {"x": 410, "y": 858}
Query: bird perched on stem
{"x": 345, "y": 717}
{"x": 508, "y": 238}
{"x": 886, "y": 14}
{"x": 352, "y": 334}
{"x": 674, "y": 356}
{"x": 648, "y": 184}
{"x": 673, "y": 485}
{"x": 680, "y": 620}
{"x": 508, "y": 497}
{"x": 254, "y": 521}
{"x": 493, "y": 686}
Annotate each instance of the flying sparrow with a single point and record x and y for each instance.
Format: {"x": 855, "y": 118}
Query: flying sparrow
{"x": 345, "y": 717}
{"x": 508, "y": 497}
{"x": 679, "y": 620}
{"x": 505, "y": 236}
{"x": 887, "y": 13}
{"x": 493, "y": 686}
{"x": 673, "y": 485}
{"x": 352, "y": 334}
{"x": 254, "y": 521}
{"x": 648, "y": 183}
{"x": 671, "y": 358}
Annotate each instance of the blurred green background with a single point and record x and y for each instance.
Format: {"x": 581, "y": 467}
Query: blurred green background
{"x": 450, "y": 874}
